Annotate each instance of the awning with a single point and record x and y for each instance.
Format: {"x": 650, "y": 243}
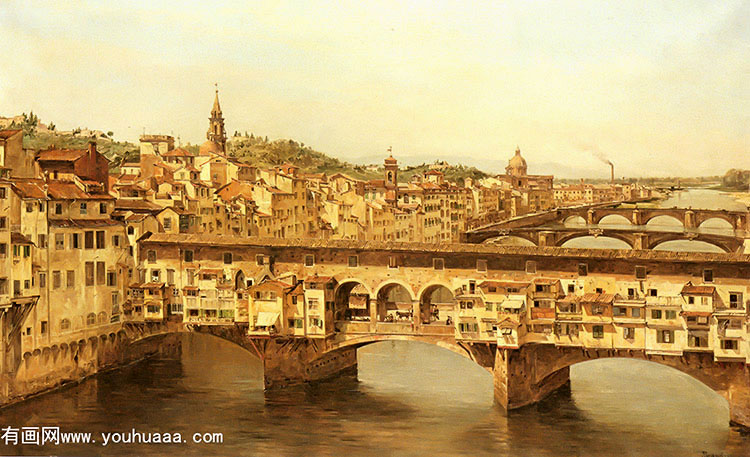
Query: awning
{"x": 266, "y": 319}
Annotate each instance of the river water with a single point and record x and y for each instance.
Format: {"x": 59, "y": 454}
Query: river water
{"x": 407, "y": 399}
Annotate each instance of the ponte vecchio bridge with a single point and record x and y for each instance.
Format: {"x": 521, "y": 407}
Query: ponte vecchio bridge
{"x": 524, "y": 313}
{"x": 553, "y": 228}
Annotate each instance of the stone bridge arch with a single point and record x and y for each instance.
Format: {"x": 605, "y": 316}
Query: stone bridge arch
{"x": 613, "y": 218}
{"x": 651, "y": 216}
{"x": 728, "y": 245}
{"x": 702, "y": 218}
{"x": 522, "y": 235}
{"x": 626, "y": 238}
{"x": 527, "y": 375}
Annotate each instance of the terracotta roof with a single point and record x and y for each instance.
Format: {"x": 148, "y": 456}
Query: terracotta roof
{"x": 5, "y": 134}
{"x": 29, "y": 188}
{"x": 83, "y": 222}
{"x": 60, "y": 155}
{"x": 690, "y": 289}
{"x": 597, "y": 298}
{"x": 65, "y": 190}
{"x": 17, "y": 238}
{"x": 136, "y": 205}
{"x": 178, "y": 152}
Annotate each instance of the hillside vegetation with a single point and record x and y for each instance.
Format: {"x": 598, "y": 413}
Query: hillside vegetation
{"x": 735, "y": 179}
{"x": 258, "y": 151}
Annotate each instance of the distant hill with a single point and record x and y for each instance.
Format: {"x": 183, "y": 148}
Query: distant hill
{"x": 250, "y": 149}
{"x": 264, "y": 153}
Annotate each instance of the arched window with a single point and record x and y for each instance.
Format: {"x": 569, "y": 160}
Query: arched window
{"x": 90, "y": 319}
{"x": 102, "y": 318}
{"x": 130, "y": 230}
{"x": 65, "y": 324}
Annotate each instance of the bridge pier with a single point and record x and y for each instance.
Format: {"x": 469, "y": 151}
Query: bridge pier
{"x": 295, "y": 361}
{"x": 689, "y": 219}
{"x": 519, "y": 378}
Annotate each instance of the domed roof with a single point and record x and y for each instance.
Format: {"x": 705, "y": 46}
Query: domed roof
{"x": 517, "y": 161}
{"x": 516, "y": 165}
{"x": 208, "y": 148}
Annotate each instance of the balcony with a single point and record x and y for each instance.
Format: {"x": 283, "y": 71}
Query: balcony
{"x": 542, "y": 313}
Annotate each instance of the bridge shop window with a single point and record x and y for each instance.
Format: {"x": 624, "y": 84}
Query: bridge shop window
{"x": 653, "y": 293}
{"x": 438, "y": 264}
{"x": 481, "y": 265}
{"x": 151, "y": 256}
{"x": 227, "y": 258}
{"x": 353, "y": 261}
{"x": 309, "y": 260}
{"x": 598, "y": 331}
{"x": 640, "y": 272}
{"x": 735, "y": 300}
{"x": 730, "y": 345}
{"x": 583, "y": 269}
{"x": 188, "y": 255}
{"x": 260, "y": 259}
{"x": 628, "y": 333}
{"x": 531, "y": 266}
{"x": 392, "y": 262}
{"x": 665, "y": 336}
{"x": 708, "y": 275}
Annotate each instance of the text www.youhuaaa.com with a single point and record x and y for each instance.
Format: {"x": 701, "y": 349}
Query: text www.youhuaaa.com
{"x": 39, "y": 436}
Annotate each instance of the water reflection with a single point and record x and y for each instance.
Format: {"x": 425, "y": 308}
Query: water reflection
{"x": 408, "y": 399}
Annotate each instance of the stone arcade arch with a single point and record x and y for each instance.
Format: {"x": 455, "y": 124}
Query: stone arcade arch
{"x": 436, "y": 304}
{"x": 395, "y": 301}
{"x": 352, "y": 299}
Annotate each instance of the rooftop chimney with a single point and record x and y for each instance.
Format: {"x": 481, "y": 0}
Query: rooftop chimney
{"x": 92, "y": 148}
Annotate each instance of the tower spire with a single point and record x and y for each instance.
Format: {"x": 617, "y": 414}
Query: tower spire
{"x": 216, "y": 132}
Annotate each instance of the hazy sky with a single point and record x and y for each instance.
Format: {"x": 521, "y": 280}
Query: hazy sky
{"x": 661, "y": 88}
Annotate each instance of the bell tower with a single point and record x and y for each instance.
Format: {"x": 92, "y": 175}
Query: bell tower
{"x": 391, "y": 178}
{"x": 216, "y": 132}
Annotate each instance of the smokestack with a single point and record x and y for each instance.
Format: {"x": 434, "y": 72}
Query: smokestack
{"x": 612, "y": 169}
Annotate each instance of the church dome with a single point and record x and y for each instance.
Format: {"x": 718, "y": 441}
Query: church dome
{"x": 208, "y": 148}
{"x": 516, "y": 164}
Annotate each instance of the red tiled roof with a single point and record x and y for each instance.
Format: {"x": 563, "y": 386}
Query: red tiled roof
{"x": 179, "y": 152}
{"x": 83, "y": 222}
{"x": 598, "y": 298}
{"x": 5, "y": 134}
{"x": 29, "y": 188}
{"x": 60, "y": 155}
{"x": 690, "y": 289}
{"x": 17, "y": 238}
{"x": 65, "y": 190}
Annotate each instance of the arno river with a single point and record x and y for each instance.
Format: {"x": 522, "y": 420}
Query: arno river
{"x": 408, "y": 399}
